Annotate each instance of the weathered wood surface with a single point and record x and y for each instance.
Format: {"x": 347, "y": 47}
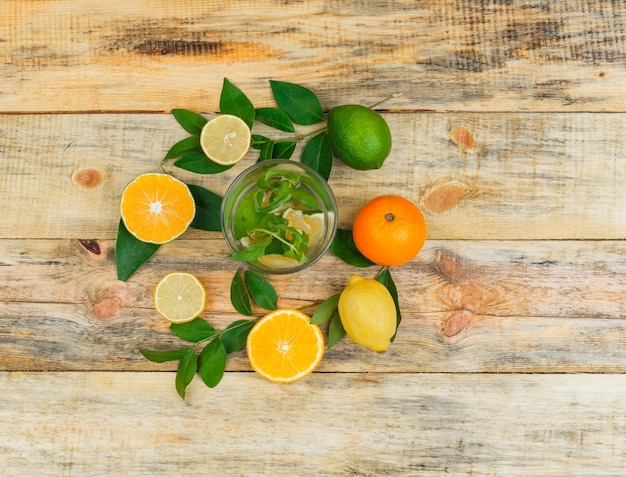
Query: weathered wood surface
{"x": 150, "y": 55}
{"x": 508, "y": 176}
{"x": 507, "y": 306}
{"x": 510, "y": 359}
{"x": 334, "y": 425}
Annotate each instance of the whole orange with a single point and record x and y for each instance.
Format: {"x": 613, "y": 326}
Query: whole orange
{"x": 389, "y": 230}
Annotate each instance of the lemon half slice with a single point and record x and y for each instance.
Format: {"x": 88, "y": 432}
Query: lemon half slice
{"x": 225, "y": 139}
{"x": 179, "y": 297}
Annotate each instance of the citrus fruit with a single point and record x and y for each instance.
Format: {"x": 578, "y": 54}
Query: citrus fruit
{"x": 368, "y": 313}
{"x": 225, "y": 139}
{"x": 284, "y": 347}
{"x": 275, "y": 261}
{"x": 179, "y": 297}
{"x": 389, "y": 230}
{"x": 157, "y": 208}
{"x": 359, "y": 136}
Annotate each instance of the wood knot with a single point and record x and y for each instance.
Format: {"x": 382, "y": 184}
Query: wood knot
{"x": 456, "y": 322}
{"x": 88, "y": 178}
{"x": 443, "y": 196}
{"x": 462, "y": 137}
{"x": 105, "y": 308}
{"x": 452, "y": 267}
{"x": 92, "y": 246}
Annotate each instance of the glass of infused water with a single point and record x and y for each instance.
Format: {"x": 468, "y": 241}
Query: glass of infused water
{"x": 279, "y": 217}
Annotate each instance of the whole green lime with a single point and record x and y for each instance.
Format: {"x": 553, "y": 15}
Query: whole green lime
{"x": 359, "y": 136}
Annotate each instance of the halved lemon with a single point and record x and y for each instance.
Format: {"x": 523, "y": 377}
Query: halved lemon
{"x": 179, "y": 297}
{"x": 225, "y": 139}
{"x": 157, "y": 207}
{"x": 284, "y": 346}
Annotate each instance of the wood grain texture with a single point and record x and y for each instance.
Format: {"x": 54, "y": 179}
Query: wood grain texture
{"x": 499, "y": 306}
{"x": 476, "y": 176}
{"x": 132, "y": 424}
{"x": 148, "y": 55}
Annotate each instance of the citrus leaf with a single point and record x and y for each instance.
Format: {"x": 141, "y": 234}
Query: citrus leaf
{"x": 258, "y": 141}
{"x": 263, "y": 293}
{"x": 384, "y": 277}
{"x": 336, "y": 332}
{"x": 283, "y": 150}
{"x": 343, "y": 247}
{"x": 163, "y": 356}
{"x": 318, "y": 155}
{"x": 189, "y": 144}
{"x": 266, "y": 151}
{"x": 208, "y": 206}
{"x": 200, "y": 164}
{"x": 325, "y": 310}
{"x": 131, "y": 253}
{"x": 186, "y": 371}
{"x": 190, "y": 121}
{"x": 193, "y": 331}
{"x": 298, "y": 102}
{"x": 275, "y": 118}
{"x": 234, "y": 101}
{"x": 239, "y": 296}
{"x": 235, "y": 335}
{"x": 212, "y": 363}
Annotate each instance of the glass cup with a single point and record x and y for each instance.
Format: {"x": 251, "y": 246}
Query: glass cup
{"x": 311, "y": 183}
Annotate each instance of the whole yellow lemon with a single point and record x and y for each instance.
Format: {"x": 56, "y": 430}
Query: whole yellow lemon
{"x": 368, "y": 313}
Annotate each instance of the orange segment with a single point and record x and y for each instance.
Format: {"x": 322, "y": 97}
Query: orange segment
{"x": 157, "y": 208}
{"x": 284, "y": 347}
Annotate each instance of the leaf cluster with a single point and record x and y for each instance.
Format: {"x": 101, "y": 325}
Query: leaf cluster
{"x": 295, "y": 105}
{"x": 207, "y": 354}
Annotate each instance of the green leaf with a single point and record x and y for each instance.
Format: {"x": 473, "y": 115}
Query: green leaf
{"x": 258, "y": 141}
{"x": 186, "y": 371}
{"x": 234, "y": 101}
{"x": 384, "y": 277}
{"x": 275, "y": 118}
{"x": 212, "y": 363}
{"x": 343, "y": 247}
{"x": 318, "y": 155}
{"x": 336, "y": 331}
{"x": 283, "y": 150}
{"x": 266, "y": 151}
{"x": 325, "y": 310}
{"x": 193, "y": 331}
{"x": 263, "y": 293}
{"x": 298, "y": 102}
{"x": 239, "y": 296}
{"x": 200, "y": 164}
{"x": 234, "y": 336}
{"x": 131, "y": 253}
{"x": 189, "y": 144}
{"x": 208, "y": 206}
{"x": 163, "y": 356}
{"x": 190, "y": 121}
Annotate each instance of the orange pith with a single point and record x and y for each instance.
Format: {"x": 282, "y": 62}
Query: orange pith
{"x": 389, "y": 230}
{"x": 284, "y": 347}
{"x": 157, "y": 208}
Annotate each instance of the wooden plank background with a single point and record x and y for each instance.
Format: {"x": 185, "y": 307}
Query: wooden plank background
{"x": 148, "y": 55}
{"x": 509, "y": 135}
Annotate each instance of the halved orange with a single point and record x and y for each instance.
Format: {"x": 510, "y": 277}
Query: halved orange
{"x": 157, "y": 207}
{"x": 284, "y": 346}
